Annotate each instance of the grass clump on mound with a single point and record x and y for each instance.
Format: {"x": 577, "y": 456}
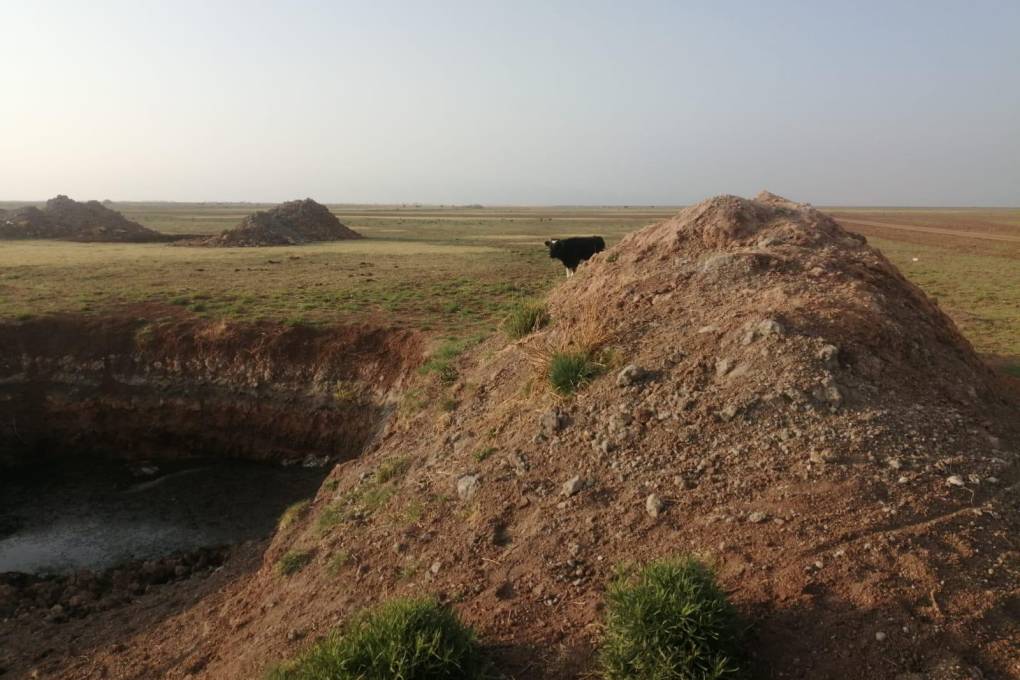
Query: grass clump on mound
{"x": 568, "y": 371}
{"x": 670, "y": 621}
{"x": 412, "y": 639}
{"x": 524, "y": 319}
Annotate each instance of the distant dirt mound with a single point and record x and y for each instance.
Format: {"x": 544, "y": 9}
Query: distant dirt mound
{"x": 290, "y": 223}
{"x": 776, "y": 399}
{"x": 69, "y": 220}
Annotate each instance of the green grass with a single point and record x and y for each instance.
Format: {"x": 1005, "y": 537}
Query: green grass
{"x": 293, "y": 513}
{"x": 400, "y": 640}
{"x": 391, "y": 469}
{"x": 483, "y": 454}
{"x": 670, "y": 621}
{"x": 569, "y": 371}
{"x": 293, "y": 561}
{"x": 337, "y": 563}
{"x": 524, "y": 319}
{"x": 441, "y": 361}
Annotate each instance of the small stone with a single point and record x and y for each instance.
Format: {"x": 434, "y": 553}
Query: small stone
{"x": 467, "y": 486}
{"x": 629, "y": 375}
{"x": 757, "y": 517}
{"x": 550, "y": 423}
{"x": 954, "y": 480}
{"x": 722, "y": 367}
{"x": 436, "y": 566}
{"x": 894, "y": 463}
{"x": 654, "y": 505}
{"x": 572, "y": 486}
{"x": 880, "y": 636}
{"x": 770, "y": 327}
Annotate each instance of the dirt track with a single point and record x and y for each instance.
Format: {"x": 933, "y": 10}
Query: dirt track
{"x": 851, "y": 223}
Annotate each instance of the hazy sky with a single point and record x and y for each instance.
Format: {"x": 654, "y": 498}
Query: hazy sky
{"x": 511, "y": 102}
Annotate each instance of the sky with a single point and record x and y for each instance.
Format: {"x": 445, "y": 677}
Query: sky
{"x": 516, "y": 102}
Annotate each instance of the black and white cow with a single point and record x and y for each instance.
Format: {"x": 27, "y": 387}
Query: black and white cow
{"x": 575, "y": 250}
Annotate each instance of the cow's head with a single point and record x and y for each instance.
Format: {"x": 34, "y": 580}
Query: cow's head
{"x": 553, "y": 246}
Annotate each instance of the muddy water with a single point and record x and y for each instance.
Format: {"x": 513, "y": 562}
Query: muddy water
{"x": 98, "y": 514}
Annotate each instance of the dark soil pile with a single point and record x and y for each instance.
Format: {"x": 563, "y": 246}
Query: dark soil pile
{"x": 290, "y": 223}
{"x": 66, "y": 219}
{"x": 777, "y": 400}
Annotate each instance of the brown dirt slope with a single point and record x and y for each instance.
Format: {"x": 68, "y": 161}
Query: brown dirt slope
{"x": 66, "y": 219}
{"x": 814, "y": 425}
{"x": 290, "y": 223}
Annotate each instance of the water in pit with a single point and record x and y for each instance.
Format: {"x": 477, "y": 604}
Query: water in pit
{"x": 95, "y": 515}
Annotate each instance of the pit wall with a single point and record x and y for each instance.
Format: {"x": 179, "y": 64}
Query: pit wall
{"x": 133, "y": 389}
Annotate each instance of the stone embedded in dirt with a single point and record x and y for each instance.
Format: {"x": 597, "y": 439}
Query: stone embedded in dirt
{"x": 572, "y": 486}
{"x": 290, "y": 223}
{"x": 65, "y": 219}
{"x": 467, "y": 486}
{"x": 757, "y": 517}
{"x": 550, "y": 423}
{"x": 955, "y": 480}
{"x": 654, "y": 505}
{"x": 629, "y": 375}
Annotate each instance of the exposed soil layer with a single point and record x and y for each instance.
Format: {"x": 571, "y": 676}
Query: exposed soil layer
{"x": 290, "y": 223}
{"x": 125, "y": 387}
{"x": 69, "y": 220}
{"x": 777, "y": 399}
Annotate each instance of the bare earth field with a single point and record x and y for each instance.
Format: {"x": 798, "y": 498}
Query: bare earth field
{"x": 455, "y": 271}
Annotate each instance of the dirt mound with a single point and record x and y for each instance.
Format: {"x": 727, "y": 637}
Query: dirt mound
{"x": 290, "y": 223}
{"x": 778, "y": 400}
{"x": 66, "y": 219}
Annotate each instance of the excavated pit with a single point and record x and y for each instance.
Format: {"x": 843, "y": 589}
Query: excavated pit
{"x": 124, "y": 439}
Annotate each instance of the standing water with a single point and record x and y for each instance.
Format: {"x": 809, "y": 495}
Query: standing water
{"x": 97, "y": 514}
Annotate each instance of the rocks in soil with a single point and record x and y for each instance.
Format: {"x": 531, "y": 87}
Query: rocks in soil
{"x": 290, "y": 223}
{"x": 654, "y": 505}
{"x": 631, "y": 374}
{"x": 467, "y": 486}
{"x": 65, "y": 219}
{"x": 572, "y": 486}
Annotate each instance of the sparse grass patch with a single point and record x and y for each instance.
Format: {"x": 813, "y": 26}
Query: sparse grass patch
{"x": 293, "y": 561}
{"x": 670, "y": 620}
{"x": 392, "y": 468}
{"x": 441, "y": 361}
{"x": 569, "y": 371}
{"x": 402, "y": 639}
{"x": 524, "y": 319}
{"x": 293, "y": 513}
{"x": 337, "y": 562}
{"x": 482, "y": 454}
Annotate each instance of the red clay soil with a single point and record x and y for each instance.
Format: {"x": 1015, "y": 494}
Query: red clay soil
{"x": 290, "y": 223}
{"x": 811, "y": 423}
{"x": 185, "y": 386}
{"x": 66, "y": 219}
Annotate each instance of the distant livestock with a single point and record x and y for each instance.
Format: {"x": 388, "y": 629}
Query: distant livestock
{"x": 575, "y": 250}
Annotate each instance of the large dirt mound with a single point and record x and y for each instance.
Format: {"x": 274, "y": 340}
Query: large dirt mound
{"x": 290, "y": 223}
{"x": 66, "y": 219}
{"x": 780, "y": 402}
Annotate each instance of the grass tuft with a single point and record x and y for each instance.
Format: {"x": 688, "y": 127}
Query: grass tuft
{"x": 402, "y": 639}
{"x": 293, "y": 561}
{"x": 525, "y": 319}
{"x": 293, "y": 513}
{"x": 569, "y": 371}
{"x": 670, "y": 620}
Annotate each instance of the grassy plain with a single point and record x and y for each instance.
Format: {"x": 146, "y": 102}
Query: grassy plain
{"x": 457, "y": 271}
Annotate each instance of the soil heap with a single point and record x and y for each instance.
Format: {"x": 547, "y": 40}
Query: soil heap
{"x": 66, "y": 219}
{"x": 290, "y": 223}
{"x": 778, "y": 400}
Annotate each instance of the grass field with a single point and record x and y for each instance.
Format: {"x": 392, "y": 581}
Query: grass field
{"x": 456, "y": 271}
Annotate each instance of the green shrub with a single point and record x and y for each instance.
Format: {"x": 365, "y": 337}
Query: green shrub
{"x": 670, "y": 621}
{"x": 399, "y": 640}
{"x": 524, "y": 319}
{"x": 570, "y": 370}
{"x": 293, "y": 561}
